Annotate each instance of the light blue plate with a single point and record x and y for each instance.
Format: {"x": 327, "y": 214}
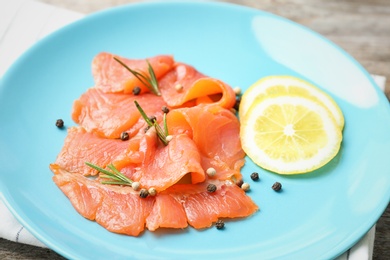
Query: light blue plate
{"x": 317, "y": 216}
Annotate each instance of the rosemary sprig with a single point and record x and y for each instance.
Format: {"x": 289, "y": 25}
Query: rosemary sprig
{"x": 114, "y": 176}
{"x": 150, "y": 81}
{"x": 162, "y": 134}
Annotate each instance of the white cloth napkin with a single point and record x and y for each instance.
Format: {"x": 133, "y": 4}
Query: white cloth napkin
{"x": 22, "y": 23}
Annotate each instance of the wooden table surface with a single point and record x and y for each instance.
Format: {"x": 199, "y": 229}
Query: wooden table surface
{"x": 361, "y": 27}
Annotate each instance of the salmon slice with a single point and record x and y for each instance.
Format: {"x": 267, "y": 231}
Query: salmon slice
{"x": 81, "y": 146}
{"x": 215, "y": 131}
{"x": 167, "y": 212}
{"x": 110, "y": 76}
{"x": 203, "y": 208}
{"x": 194, "y": 86}
{"x": 121, "y": 210}
{"x": 159, "y": 166}
{"x": 110, "y": 114}
{"x": 118, "y": 209}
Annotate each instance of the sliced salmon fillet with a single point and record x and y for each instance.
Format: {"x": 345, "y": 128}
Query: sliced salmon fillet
{"x": 81, "y": 146}
{"x": 118, "y": 209}
{"x": 194, "y": 87}
{"x": 159, "y": 166}
{"x": 110, "y": 114}
{"x": 215, "y": 131}
{"x": 229, "y": 201}
{"x": 204, "y": 131}
{"x": 167, "y": 212}
{"x": 121, "y": 210}
{"x": 110, "y": 76}
{"x": 203, "y": 208}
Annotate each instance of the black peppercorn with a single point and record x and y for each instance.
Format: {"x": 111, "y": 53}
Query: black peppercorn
{"x": 277, "y": 186}
{"x": 152, "y": 119}
{"x": 143, "y": 193}
{"x": 165, "y": 109}
{"x": 237, "y": 103}
{"x": 255, "y": 176}
{"x": 136, "y": 91}
{"x": 60, "y": 123}
{"x": 211, "y": 188}
{"x": 239, "y": 183}
{"x": 220, "y": 224}
{"x": 125, "y": 136}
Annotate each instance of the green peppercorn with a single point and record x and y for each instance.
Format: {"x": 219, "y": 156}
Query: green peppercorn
{"x": 220, "y": 224}
{"x": 211, "y": 188}
{"x": 165, "y": 109}
{"x": 143, "y": 193}
{"x": 277, "y": 186}
{"x": 255, "y": 176}
{"x": 125, "y": 136}
{"x": 60, "y": 123}
{"x": 136, "y": 91}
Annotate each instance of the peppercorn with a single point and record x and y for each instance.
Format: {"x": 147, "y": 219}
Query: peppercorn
{"x": 135, "y": 185}
{"x": 239, "y": 183}
{"x": 237, "y": 103}
{"x": 237, "y": 91}
{"x": 211, "y": 172}
{"x": 143, "y": 193}
{"x": 152, "y": 191}
{"x": 125, "y": 136}
{"x": 211, "y": 188}
{"x": 277, "y": 186}
{"x": 245, "y": 186}
{"x": 153, "y": 119}
{"x": 179, "y": 87}
{"x": 60, "y": 123}
{"x": 220, "y": 224}
{"x": 165, "y": 109}
{"x": 146, "y": 128}
{"x": 255, "y": 176}
{"x": 136, "y": 91}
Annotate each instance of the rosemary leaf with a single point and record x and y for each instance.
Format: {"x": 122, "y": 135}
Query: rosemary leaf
{"x": 115, "y": 183}
{"x": 160, "y": 133}
{"x": 98, "y": 168}
{"x": 153, "y": 79}
{"x": 165, "y": 124}
{"x": 143, "y": 114}
{"x": 113, "y": 177}
{"x": 149, "y": 81}
{"x": 119, "y": 174}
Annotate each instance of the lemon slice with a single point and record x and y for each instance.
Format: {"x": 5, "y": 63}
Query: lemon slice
{"x": 273, "y": 86}
{"x": 290, "y": 134}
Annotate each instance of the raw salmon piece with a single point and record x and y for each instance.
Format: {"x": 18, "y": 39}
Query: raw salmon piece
{"x": 81, "y": 146}
{"x": 195, "y": 86}
{"x": 109, "y": 114}
{"x": 160, "y": 166}
{"x": 85, "y": 199}
{"x": 167, "y": 212}
{"x": 215, "y": 131}
{"x": 110, "y": 76}
{"x": 118, "y": 209}
{"x": 203, "y": 208}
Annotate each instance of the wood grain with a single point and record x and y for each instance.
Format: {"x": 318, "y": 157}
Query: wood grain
{"x": 360, "y": 27}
